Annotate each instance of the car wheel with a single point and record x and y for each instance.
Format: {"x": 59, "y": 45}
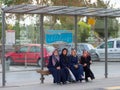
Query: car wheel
{"x": 98, "y": 59}
{"x": 39, "y": 62}
{"x": 10, "y": 60}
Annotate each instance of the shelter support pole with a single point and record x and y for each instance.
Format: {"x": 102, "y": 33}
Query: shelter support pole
{"x": 75, "y": 33}
{"x": 42, "y": 42}
{"x": 3, "y": 49}
{"x": 106, "y": 56}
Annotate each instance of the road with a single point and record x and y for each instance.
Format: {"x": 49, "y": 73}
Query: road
{"x": 19, "y": 75}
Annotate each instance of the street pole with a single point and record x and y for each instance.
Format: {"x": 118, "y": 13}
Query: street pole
{"x": 3, "y": 49}
{"x": 106, "y": 56}
{"x": 42, "y": 46}
{"x": 76, "y": 33}
{"x": 26, "y": 60}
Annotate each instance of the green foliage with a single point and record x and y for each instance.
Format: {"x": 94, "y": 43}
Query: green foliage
{"x": 17, "y": 30}
{"x": 8, "y": 2}
{"x": 16, "y": 2}
{"x": 83, "y": 31}
{"x": 68, "y": 2}
{"x": 112, "y": 27}
{"x": 101, "y": 4}
{"x": 17, "y": 24}
{"x": 112, "y": 22}
{"x": 67, "y": 22}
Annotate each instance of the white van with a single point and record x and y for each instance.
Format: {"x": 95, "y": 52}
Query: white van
{"x": 113, "y": 50}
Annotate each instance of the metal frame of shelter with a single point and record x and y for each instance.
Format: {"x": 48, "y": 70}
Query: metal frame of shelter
{"x": 56, "y": 10}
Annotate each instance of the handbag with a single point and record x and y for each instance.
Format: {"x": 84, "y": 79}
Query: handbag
{"x": 71, "y": 76}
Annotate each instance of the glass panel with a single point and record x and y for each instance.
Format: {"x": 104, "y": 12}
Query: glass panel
{"x": 38, "y": 49}
{"x": 118, "y": 44}
{"x": 110, "y": 44}
{"x": 50, "y": 48}
{"x": 102, "y": 46}
{"x": 24, "y": 49}
{"x": 33, "y": 49}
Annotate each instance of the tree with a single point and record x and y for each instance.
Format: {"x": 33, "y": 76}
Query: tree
{"x": 112, "y": 22}
{"x": 112, "y": 27}
{"x": 99, "y": 26}
{"x": 67, "y": 22}
{"x": 83, "y": 31}
{"x": 16, "y": 2}
{"x": 18, "y": 16}
{"x": 17, "y": 30}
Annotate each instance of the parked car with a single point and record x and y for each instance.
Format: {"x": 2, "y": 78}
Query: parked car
{"x": 69, "y": 47}
{"x": 89, "y": 47}
{"x": 80, "y": 48}
{"x": 113, "y": 49}
{"x": 30, "y": 53}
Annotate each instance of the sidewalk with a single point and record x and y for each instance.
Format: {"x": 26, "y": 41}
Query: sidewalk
{"x": 20, "y": 68}
{"x": 97, "y": 84}
{"x": 27, "y": 79}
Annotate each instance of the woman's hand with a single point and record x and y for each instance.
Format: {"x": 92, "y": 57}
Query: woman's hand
{"x": 58, "y": 68}
{"x": 90, "y": 62}
{"x": 85, "y": 65}
{"x": 76, "y": 66}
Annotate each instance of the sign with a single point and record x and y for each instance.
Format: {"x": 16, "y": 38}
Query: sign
{"x": 24, "y": 41}
{"x": 53, "y": 36}
{"x": 10, "y": 37}
{"x": 91, "y": 21}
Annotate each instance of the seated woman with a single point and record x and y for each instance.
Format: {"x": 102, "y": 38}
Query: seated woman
{"x": 74, "y": 66}
{"x": 54, "y": 67}
{"x": 86, "y": 61}
{"x": 64, "y": 65}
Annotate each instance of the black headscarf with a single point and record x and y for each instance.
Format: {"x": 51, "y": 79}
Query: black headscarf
{"x": 64, "y": 58}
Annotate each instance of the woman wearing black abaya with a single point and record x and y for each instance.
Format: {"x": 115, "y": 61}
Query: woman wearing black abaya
{"x": 54, "y": 67}
{"x": 86, "y": 62}
{"x": 64, "y": 65}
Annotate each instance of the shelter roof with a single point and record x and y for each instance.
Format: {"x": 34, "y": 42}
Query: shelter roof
{"x": 62, "y": 10}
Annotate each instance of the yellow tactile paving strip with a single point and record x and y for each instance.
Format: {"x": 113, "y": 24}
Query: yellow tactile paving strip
{"x": 113, "y": 88}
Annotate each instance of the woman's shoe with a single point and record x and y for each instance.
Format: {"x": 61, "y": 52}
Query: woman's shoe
{"x": 58, "y": 83}
{"x": 81, "y": 79}
{"x": 73, "y": 81}
{"x": 86, "y": 80}
{"x": 92, "y": 78}
{"x": 64, "y": 82}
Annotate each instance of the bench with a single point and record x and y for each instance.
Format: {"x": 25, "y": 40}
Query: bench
{"x": 43, "y": 72}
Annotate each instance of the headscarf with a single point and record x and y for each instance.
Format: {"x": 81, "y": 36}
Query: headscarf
{"x": 85, "y": 53}
{"x": 64, "y": 57}
{"x": 55, "y": 58}
{"x": 63, "y": 50}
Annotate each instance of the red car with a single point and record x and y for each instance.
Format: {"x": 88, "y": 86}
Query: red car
{"x": 30, "y": 53}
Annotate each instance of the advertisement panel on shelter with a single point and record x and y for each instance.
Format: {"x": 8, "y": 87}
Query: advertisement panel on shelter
{"x": 53, "y": 36}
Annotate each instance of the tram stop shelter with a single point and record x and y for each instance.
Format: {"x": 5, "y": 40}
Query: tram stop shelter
{"x": 56, "y": 10}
